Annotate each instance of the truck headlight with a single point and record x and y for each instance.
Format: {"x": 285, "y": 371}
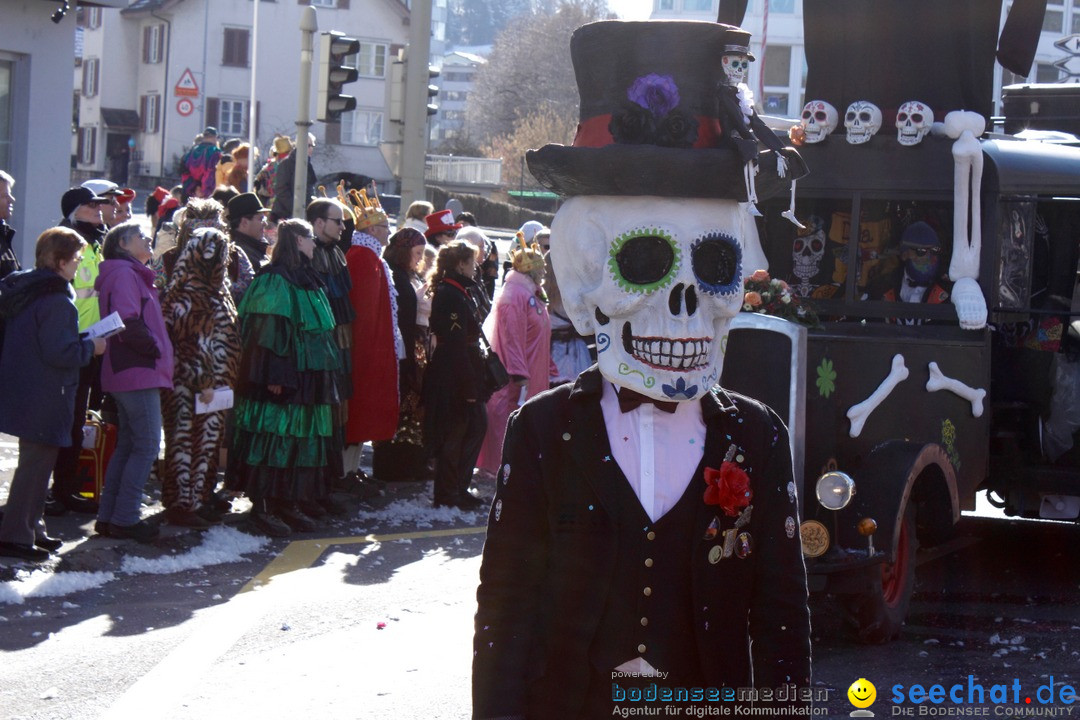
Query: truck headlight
{"x": 834, "y": 490}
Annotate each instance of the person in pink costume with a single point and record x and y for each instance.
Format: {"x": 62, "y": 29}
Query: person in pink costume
{"x": 519, "y": 329}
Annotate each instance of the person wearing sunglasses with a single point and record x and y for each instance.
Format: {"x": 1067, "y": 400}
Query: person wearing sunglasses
{"x": 921, "y": 255}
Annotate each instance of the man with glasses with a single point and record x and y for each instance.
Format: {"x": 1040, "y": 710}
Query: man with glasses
{"x": 247, "y": 222}
{"x": 920, "y": 252}
{"x": 119, "y": 209}
{"x": 327, "y": 218}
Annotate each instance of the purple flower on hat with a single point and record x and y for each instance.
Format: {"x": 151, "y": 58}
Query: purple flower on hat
{"x": 658, "y": 93}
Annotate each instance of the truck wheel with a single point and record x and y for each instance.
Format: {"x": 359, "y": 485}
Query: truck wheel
{"x": 878, "y": 615}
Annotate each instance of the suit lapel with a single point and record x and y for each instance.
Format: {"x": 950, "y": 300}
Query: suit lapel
{"x": 589, "y": 445}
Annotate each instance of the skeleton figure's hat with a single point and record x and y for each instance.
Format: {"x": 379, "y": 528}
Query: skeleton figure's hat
{"x": 649, "y": 116}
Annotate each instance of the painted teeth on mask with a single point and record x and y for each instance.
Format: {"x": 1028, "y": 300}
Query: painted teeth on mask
{"x": 673, "y": 354}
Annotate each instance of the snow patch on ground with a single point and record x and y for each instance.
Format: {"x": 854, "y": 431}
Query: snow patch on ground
{"x": 45, "y": 583}
{"x": 220, "y": 545}
{"x": 418, "y": 513}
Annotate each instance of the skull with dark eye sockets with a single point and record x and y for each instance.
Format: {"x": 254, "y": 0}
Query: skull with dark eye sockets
{"x": 657, "y": 281}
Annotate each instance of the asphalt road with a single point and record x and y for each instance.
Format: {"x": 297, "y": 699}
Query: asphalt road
{"x": 371, "y": 618}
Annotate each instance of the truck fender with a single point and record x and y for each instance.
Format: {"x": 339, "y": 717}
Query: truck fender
{"x": 896, "y": 473}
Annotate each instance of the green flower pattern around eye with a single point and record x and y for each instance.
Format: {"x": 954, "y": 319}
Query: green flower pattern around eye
{"x": 613, "y": 263}
{"x": 826, "y": 378}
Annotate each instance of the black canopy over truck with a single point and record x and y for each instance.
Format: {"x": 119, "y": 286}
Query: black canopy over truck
{"x": 879, "y": 430}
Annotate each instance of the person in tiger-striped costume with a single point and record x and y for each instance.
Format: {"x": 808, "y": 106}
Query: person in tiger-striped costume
{"x": 201, "y": 319}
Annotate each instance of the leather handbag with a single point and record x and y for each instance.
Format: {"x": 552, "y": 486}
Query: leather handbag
{"x": 495, "y": 375}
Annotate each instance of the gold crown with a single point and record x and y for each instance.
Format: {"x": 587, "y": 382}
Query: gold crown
{"x": 526, "y": 258}
{"x": 366, "y": 211}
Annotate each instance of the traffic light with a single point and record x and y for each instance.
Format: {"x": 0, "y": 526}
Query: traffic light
{"x": 334, "y": 73}
{"x": 432, "y": 90}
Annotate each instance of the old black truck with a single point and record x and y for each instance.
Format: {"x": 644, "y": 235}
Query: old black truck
{"x": 898, "y": 415}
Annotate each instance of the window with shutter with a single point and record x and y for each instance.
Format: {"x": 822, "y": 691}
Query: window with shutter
{"x": 211, "y": 112}
{"x": 235, "y": 53}
{"x": 87, "y": 145}
{"x": 150, "y": 113}
{"x": 90, "y": 77}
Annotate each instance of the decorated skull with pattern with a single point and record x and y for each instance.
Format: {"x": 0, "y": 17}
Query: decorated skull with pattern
{"x": 657, "y": 280}
{"x": 862, "y": 121}
{"x": 913, "y": 122}
{"x": 735, "y": 66}
{"x": 818, "y": 120}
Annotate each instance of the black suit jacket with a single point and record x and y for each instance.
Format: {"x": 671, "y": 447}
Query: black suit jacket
{"x": 552, "y": 549}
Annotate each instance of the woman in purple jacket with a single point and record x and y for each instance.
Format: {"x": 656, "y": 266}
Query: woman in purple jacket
{"x": 138, "y": 363}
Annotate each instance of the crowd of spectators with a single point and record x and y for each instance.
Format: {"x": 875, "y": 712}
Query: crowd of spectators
{"x": 269, "y": 349}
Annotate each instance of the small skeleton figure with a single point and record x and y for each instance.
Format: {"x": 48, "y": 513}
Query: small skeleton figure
{"x": 741, "y": 123}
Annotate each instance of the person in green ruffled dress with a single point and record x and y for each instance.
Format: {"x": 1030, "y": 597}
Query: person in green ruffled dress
{"x": 283, "y": 446}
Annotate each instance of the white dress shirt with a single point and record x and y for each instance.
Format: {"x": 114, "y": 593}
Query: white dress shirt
{"x": 657, "y": 451}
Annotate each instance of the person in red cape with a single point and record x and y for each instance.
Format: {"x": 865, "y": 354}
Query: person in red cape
{"x": 377, "y": 345}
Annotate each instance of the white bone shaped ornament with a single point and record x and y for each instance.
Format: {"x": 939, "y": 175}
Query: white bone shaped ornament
{"x": 939, "y": 381}
{"x": 858, "y": 414}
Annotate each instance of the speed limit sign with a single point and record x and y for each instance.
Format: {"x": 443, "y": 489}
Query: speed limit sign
{"x": 185, "y": 107}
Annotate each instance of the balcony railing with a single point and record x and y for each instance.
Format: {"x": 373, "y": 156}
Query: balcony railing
{"x": 454, "y": 170}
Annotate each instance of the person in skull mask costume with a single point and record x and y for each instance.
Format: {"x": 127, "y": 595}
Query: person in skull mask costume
{"x": 644, "y": 530}
{"x": 923, "y": 280}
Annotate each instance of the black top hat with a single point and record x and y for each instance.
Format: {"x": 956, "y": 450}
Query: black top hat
{"x": 245, "y": 204}
{"x": 649, "y": 120}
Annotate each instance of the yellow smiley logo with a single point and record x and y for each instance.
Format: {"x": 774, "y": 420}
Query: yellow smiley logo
{"x": 862, "y": 693}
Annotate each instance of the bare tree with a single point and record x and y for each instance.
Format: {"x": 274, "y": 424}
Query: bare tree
{"x": 529, "y": 68}
{"x": 541, "y": 126}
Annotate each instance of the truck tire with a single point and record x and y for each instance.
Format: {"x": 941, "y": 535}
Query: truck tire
{"x": 878, "y": 615}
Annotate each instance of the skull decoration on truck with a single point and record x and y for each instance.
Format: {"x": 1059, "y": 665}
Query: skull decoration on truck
{"x": 658, "y": 294}
{"x": 862, "y": 121}
{"x": 818, "y": 120}
{"x": 913, "y": 122}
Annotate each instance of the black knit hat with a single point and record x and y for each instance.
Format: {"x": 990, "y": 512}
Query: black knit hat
{"x": 649, "y": 116}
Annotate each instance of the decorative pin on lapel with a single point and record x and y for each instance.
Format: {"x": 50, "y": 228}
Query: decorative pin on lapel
{"x": 713, "y": 529}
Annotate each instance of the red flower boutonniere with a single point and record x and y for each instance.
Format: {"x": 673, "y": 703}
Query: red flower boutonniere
{"x": 728, "y": 487}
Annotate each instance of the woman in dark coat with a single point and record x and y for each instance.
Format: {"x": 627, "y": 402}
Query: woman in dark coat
{"x": 40, "y": 363}
{"x": 283, "y": 448}
{"x": 453, "y": 396}
{"x": 402, "y": 457}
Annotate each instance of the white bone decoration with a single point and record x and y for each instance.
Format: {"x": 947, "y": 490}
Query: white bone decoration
{"x": 658, "y": 295}
{"x": 913, "y": 121}
{"x": 858, "y": 414}
{"x": 966, "y": 127}
{"x": 818, "y": 120}
{"x": 939, "y": 381}
{"x": 862, "y": 121}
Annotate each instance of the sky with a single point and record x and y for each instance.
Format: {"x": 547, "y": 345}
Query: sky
{"x": 631, "y": 9}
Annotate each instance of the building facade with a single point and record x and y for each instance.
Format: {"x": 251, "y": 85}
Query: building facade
{"x": 456, "y": 80}
{"x": 155, "y": 73}
{"x": 37, "y": 50}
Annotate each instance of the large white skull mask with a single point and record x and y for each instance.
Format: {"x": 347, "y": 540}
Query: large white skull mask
{"x": 657, "y": 280}
{"x": 862, "y": 120}
{"x": 913, "y": 121}
{"x": 818, "y": 119}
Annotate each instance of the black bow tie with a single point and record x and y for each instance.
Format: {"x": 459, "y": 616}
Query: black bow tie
{"x": 630, "y": 400}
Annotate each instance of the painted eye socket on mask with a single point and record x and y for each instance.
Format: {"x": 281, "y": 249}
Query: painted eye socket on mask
{"x": 717, "y": 262}
{"x": 643, "y": 261}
